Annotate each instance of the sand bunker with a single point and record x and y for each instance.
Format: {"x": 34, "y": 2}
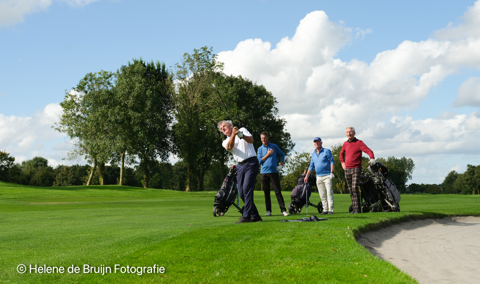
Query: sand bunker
{"x": 431, "y": 251}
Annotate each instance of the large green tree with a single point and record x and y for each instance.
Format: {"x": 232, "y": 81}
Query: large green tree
{"x": 85, "y": 119}
{"x": 254, "y": 107}
{"x": 143, "y": 112}
{"x": 449, "y": 181}
{"x": 460, "y": 185}
{"x": 195, "y": 135}
{"x": 472, "y": 179}
{"x": 205, "y": 96}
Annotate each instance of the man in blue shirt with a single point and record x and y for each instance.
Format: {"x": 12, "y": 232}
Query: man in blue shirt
{"x": 267, "y": 157}
{"x": 322, "y": 161}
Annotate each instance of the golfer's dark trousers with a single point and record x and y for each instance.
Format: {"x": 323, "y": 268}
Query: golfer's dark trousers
{"x": 353, "y": 181}
{"x": 275, "y": 179}
{"x": 246, "y": 177}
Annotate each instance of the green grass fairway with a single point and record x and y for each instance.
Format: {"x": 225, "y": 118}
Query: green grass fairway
{"x": 104, "y": 226}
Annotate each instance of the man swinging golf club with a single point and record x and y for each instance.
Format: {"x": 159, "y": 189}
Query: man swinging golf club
{"x": 240, "y": 144}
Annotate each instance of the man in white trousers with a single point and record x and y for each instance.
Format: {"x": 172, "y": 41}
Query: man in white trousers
{"x": 322, "y": 161}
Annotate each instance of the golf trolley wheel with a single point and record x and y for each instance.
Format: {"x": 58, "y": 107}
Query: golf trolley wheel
{"x": 397, "y": 208}
{"x": 217, "y": 212}
{"x": 320, "y": 207}
{"x": 292, "y": 209}
{"x": 350, "y": 209}
{"x": 365, "y": 208}
{"x": 377, "y": 208}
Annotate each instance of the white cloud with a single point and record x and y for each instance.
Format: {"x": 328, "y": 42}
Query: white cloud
{"x": 79, "y": 2}
{"x": 359, "y": 33}
{"x": 14, "y": 11}
{"x": 319, "y": 94}
{"x": 469, "y": 93}
{"x": 27, "y": 137}
{"x": 314, "y": 44}
{"x": 466, "y": 29}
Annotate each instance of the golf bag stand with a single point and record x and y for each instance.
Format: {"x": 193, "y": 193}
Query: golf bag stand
{"x": 378, "y": 193}
{"x": 227, "y": 194}
{"x": 301, "y": 194}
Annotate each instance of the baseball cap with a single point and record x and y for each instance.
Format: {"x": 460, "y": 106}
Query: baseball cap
{"x": 317, "y": 139}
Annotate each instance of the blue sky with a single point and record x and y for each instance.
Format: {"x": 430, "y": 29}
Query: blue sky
{"x": 404, "y": 73}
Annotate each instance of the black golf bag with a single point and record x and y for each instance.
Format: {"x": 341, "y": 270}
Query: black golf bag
{"x": 227, "y": 194}
{"x": 378, "y": 193}
{"x": 301, "y": 195}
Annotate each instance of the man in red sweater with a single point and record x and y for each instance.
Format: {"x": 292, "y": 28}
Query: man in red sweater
{"x": 351, "y": 160}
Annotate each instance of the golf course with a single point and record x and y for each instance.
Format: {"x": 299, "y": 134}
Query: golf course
{"x": 119, "y": 234}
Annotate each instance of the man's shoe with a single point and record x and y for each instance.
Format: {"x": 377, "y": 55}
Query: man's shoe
{"x": 256, "y": 219}
{"x": 268, "y": 213}
{"x": 243, "y": 220}
{"x": 330, "y": 212}
{"x": 355, "y": 212}
{"x": 285, "y": 213}
{"x": 324, "y": 212}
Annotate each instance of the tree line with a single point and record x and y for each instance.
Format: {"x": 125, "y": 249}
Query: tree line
{"x": 173, "y": 176}
{"x": 454, "y": 183}
{"x": 38, "y": 172}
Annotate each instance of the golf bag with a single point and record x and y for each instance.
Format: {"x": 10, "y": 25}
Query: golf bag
{"x": 227, "y": 194}
{"x": 301, "y": 195}
{"x": 378, "y": 193}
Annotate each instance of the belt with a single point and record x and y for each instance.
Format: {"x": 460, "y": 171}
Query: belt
{"x": 246, "y": 160}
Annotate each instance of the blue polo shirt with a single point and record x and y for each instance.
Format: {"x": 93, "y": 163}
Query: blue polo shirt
{"x": 321, "y": 162}
{"x": 270, "y": 164}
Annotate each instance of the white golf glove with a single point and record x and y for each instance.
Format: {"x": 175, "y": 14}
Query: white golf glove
{"x": 372, "y": 162}
{"x": 332, "y": 175}
{"x": 239, "y": 134}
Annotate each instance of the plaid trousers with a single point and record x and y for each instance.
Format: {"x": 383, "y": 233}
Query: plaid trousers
{"x": 352, "y": 176}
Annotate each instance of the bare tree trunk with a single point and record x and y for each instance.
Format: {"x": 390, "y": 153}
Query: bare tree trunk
{"x": 189, "y": 178}
{"x": 204, "y": 166}
{"x": 145, "y": 175}
{"x": 122, "y": 166}
{"x": 200, "y": 177}
{"x": 101, "y": 171}
{"x": 89, "y": 182}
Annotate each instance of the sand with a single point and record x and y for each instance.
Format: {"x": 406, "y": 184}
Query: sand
{"x": 431, "y": 251}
